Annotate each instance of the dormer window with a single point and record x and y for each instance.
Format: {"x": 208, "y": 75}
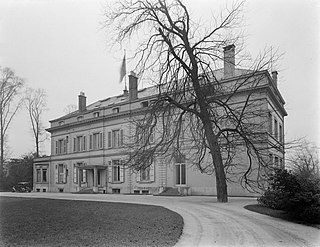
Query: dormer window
{"x": 80, "y": 118}
{"x": 61, "y": 123}
{"x": 145, "y": 104}
{"x": 96, "y": 114}
{"x": 116, "y": 110}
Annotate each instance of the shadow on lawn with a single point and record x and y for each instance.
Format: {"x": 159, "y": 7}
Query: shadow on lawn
{"x": 276, "y": 214}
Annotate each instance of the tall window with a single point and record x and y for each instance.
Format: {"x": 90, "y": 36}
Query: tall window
{"x": 116, "y": 171}
{"x": 61, "y": 173}
{"x": 181, "y": 174}
{"x": 270, "y": 123}
{"x": 41, "y": 174}
{"x": 79, "y": 144}
{"x": 96, "y": 141}
{"x": 115, "y": 138}
{"x": 61, "y": 146}
{"x": 280, "y": 134}
{"x": 276, "y": 129}
{"x": 144, "y": 137}
{"x": 145, "y": 174}
{"x": 276, "y": 161}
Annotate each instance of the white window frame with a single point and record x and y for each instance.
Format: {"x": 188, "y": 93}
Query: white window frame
{"x": 179, "y": 174}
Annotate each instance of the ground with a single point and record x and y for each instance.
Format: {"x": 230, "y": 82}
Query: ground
{"x": 208, "y": 223}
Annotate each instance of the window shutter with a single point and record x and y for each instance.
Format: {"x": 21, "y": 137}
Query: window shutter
{"x": 75, "y": 175}
{"x": 152, "y": 172}
{"x": 110, "y": 172}
{"x": 122, "y": 170}
{"x": 56, "y": 174}
{"x": 56, "y": 147}
{"x": 100, "y": 140}
{"x": 64, "y": 174}
{"x": 109, "y": 139}
{"x": 121, "y": 138}
{"x": 84, "y": 175}
{"x": 90, "y": 142}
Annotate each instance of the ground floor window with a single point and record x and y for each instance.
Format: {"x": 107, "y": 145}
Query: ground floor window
{"x": 181, "y": 174}
{"x": 145, "y": 174}
{"x": 41, "y": 174}
{"x": 116, "y": 171}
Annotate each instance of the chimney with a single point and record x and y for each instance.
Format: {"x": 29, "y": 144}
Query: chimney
{"x": 82, "y": 102}
{"x": 133, "y": 86}
{"x": 275, "y": 77}
{"x": 229, "y": 61}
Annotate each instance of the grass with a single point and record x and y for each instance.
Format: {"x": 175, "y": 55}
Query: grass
{"x": 276, "y": 214}
{"x": 48, "y": 222}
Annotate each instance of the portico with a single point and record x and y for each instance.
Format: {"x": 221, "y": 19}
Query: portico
{"x": 95, "y": 172}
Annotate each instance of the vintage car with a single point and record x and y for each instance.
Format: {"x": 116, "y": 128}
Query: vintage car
{"x": 22, "y": 187}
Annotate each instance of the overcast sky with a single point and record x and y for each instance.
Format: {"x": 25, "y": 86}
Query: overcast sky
{"x": 59, "y": 46}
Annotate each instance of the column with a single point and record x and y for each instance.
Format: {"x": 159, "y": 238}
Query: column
{"x": 95, "y": 179}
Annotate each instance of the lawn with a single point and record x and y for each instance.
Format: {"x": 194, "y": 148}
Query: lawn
{"x": 48, "y": 222}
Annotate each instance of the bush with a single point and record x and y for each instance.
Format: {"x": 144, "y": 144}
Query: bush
{"x": 298, "y": 195}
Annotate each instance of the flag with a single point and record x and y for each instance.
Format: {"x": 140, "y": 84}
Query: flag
{"x": 123, "y": 69}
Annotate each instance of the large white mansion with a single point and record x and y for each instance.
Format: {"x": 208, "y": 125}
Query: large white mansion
{"x": 88, "y": 145}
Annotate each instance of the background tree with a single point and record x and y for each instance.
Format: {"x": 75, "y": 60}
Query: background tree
{"x": 10, "y": 102}
{"x": 182, "y": 57}
{"x": 70, "y": 108}
{"x": 36, "y": 102}
{"x": 19, "y": 170}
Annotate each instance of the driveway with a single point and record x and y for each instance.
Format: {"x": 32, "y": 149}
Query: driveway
{"x": 208, "y": 223}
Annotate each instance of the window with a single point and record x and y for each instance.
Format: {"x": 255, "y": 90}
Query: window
{"x": 270, "y": 159}
{"x": 61, "y": 174}
{"x": 276, "y": 161}
{"x": 61, "y": 146}
{"x": 96, "y": 141}
{"x": 44, "y": 175}
{"x": 116, "y": 171}
{"x": 80, "y": 118}
{"x": 145, "y": 104}
{"x": 281, "y": 163}
{"x": 83, "y": 175}
{"x": 41, "y": 174}
{"x": 38, "y": 175}
{"x": 280, "y": 134}
{"x": 116, "y": 110}
{"x": 270, "y": 122}
{"x": 61, "y": 123}
{"x": 96, "y": 114}
{"x": 180, "y": 174}
{"x": 144, "y": 137}
{"x": 276, "y": 129}
{"x": 115, "y": 138}
{"x": 145, "y": 174}
{"x": 79, "y": 144}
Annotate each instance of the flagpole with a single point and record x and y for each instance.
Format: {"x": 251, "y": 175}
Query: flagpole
{"x": 125, "y": 77}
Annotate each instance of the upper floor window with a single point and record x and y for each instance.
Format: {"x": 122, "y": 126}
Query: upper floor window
{"x": 61, "y": 123}
{"x": 280, "y": 133}
{"x": 79, "y": 143}
{"x": 116, "y": 110}
{"x": 96, "y": 114}
{"x": 115, "y": 138}
{"x": 80, "y": 118}
{"x": 270, "y": 122}
{"x": 96, "y": 141}
{"x": 61, "y": 146}
{"x": 275, "y": 129}
{"x": 144, "y": 137}
{"x": 145, "y": 104}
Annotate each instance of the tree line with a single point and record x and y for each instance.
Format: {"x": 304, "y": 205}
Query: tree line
{"x": 15, "y": 96}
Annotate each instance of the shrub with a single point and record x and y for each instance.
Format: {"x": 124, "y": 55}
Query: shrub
{"x": 296, "y": 194}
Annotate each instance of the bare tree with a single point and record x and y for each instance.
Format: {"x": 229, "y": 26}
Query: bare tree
{"x": 36, "y": 102}
{"x": 304, "y": 160}
{"x": 10, "y": 102}
{"x": 193, "y": 100}
{"x": 70, "y": 108}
